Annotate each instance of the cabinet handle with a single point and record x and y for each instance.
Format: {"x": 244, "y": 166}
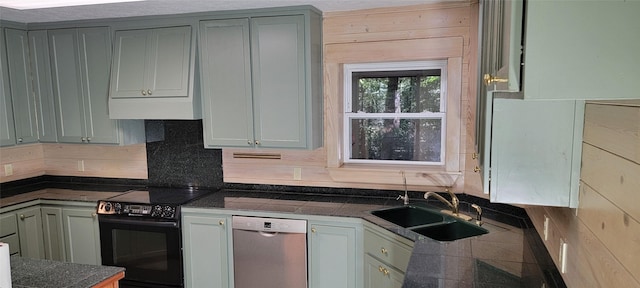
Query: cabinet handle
{"x": 249, "y": 142}
{"x": 383, "y": 270}
{"x": 149, "y": 91}
{"x": 488, "y": 79}
{"x": 257, "y": 142}
{"x": 93, "y": 215}
{"x": 313, "y": 230}
{"x": 21, "y": 216}
{"x": 476, "y": 169}
{"x": 88, "y": 139}
{"x": 83, "y": 139}
{"x": 221, "y": 222}
{"x": 384, "y": 251}
{"x": 474, "y": 156}
{"x": 20, "y": 140}
{"x": 144, "y": 92}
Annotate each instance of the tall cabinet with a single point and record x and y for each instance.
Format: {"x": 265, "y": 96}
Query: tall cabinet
{"x": 80, "y": 59}
{"x": 7, "y": 128}
{"x": 262, "y": 81}
{"x": 19, "y": 71}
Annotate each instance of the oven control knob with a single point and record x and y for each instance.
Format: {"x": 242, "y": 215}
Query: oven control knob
{"x": 157, "y": 211}
{"x": 107, "y": 206}
{"x": 117, "y": 207}
{"x": 168, "y": 212}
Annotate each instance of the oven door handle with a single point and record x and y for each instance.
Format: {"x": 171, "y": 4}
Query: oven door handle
{"x": 172, "y": 224}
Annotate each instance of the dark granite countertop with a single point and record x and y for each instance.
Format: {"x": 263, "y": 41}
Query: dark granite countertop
{"x": 510, "y": 255}
{"x": 40, "y": 273}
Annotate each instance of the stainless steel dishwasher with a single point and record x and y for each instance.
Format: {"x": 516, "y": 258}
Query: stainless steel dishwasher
{"x": 269, "y": 252}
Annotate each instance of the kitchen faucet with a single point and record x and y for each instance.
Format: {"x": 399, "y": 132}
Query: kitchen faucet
{"x": 405, "y": 198}
{"x": 454, "y": 200}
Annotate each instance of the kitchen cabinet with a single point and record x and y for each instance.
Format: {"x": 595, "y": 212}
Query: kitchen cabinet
{"x": 334, "y": 256}
{"x": 152, "y": 76}
{"x": 206, "y": 239}
{"x": 261, "y": 81}
{"x": 9, "y": 232}
{"x": 528, "y": 152}
{"x": 386, "y": 257}
{"x": 53, "y": 233}
{"x": 7, "y": 128}
{"x": 42, "y": 85}
{"x": 30, "y": 232}
{"x": 19, "y": 70}
{"x": 80, "y": 59}
{"x": 378, "y": 274}
{"x": 81, "y": 235}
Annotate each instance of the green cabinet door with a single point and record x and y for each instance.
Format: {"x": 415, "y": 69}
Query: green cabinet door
{"x": 380, "y": 275}
{"x": 7, "y": 127}
{"x": 53, "y": 233}
{"x": 80, "y": 60}
{"x": 226, "y": 74}
{"x": 81, "y": 235}
{"x": 334, "y": 257}
{"x": 95, "y": 58}
{"x": 151, "y": 63}
{"x": 42, "y": 85}
{"x": 24, "y": 111}
{"x": 30, "y": 233}
{"x": 279, "y": 81}
{"x": 206, "y": 253}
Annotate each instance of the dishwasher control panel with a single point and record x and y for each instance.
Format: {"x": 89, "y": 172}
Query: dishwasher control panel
{"x": 269, "y": 224}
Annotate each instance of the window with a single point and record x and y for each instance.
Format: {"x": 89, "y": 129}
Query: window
{"x": 395, "y": 112}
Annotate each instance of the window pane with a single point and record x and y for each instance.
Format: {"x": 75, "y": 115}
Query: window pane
{"x": 396, "y": 91}
{"x": 396, "y": 139}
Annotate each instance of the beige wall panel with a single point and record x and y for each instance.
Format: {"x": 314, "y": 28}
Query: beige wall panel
{"x": 397, "y": 35}
{"x": 97, "y": 168}
{"x": 605, "y": 122}
{"x": 381, "y": 20}
{"x": 615, "y": 178}
{"x": 137, "y": 152}
{"x": 26, "y": 161}
{"x": 615, "y": 229}
{"x": 394, "y": 50}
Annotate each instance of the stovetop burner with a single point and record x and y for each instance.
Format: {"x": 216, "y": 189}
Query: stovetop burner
{"x": 152, "y": 202}
{"x": 160, "y": 195}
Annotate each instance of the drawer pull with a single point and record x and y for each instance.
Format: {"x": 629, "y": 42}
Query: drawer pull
{"x": 22, "y": 217}
{"x": 221, "y": 222}
{"x": 383, "y": 270}
{"x": 384, "y": 251}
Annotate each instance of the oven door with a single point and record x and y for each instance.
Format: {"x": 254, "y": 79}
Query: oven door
{"x": 150, "y": 251}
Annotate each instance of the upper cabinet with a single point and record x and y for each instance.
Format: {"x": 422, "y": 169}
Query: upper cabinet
{"x": 528, "y": 151}
{"x": 80, "y": 59}
{"x": 7, "y": 128}
{"x": 152, "y": 75}
{"x": 42, "y": 85}
{"x": 582, "y": 50}
{"x": 19, "y": 70}
{"x": 261, "y": 81}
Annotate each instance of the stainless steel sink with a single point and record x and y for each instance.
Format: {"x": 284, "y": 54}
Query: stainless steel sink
{"x": 430, "y": 223}
{"x": 408, "y": 216}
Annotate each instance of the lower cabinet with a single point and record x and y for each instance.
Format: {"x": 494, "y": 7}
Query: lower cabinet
{"x": 333, "y": 254}
{"x": 52, "y": 232}
{"x": 30, "y": 232}
{"x": 81, "y": 235}
{"x": 9, "y": 232}
{"x": 386, "y": 257}
{"x": 207, "y": 260}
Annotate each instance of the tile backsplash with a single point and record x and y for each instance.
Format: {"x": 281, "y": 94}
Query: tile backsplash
{"x": 177, "y": 156}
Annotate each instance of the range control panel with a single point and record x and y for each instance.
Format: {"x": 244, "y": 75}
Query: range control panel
{"x": 131, "y": 209}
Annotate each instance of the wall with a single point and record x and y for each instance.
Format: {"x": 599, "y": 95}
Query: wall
{"x": 603, "y": 233}
{"x": 430, "y": 21}
{"x": 63, "y": 160}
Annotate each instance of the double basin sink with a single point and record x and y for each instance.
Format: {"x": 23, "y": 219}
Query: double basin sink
{"x": 430, "y": 223}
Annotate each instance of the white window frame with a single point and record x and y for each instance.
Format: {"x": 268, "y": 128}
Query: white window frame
{"x": 349, "y": 69}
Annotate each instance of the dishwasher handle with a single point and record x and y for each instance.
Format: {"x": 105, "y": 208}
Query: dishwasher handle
{"x": 269, "y": 225}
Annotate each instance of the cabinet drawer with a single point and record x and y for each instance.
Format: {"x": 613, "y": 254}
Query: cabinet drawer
{"x": 386, "y": 249}
{"x": 8, "y": 225}
{"x": 14, "y": 243}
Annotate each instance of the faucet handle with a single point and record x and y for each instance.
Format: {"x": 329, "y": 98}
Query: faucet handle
{"x": 478, "y": 214}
